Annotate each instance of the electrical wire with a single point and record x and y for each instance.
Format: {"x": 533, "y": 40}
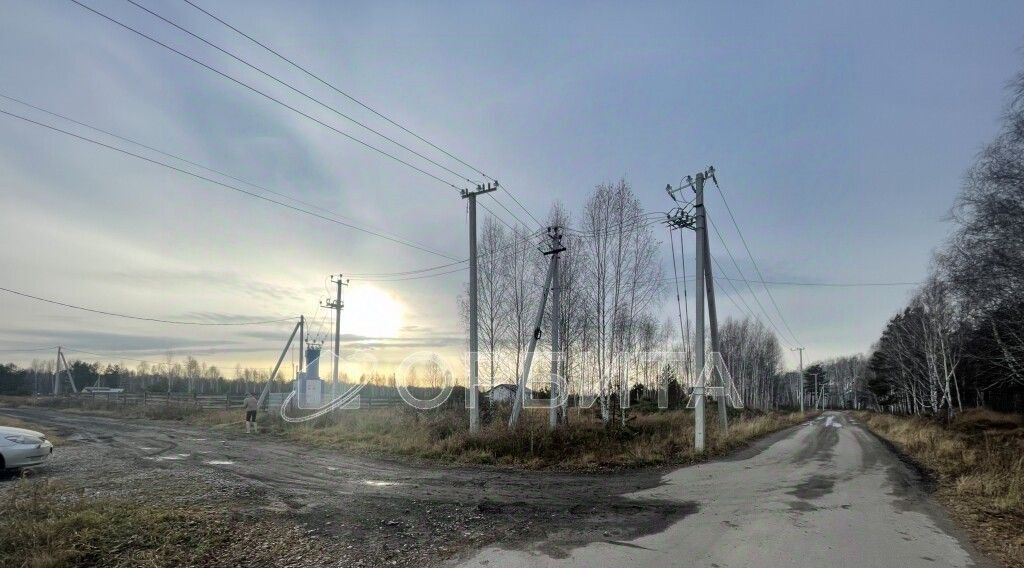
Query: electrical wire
{"x": 299, "y": 91}
{"x": 118, "y": 356}
{"x": 29, "y": 349}
{"x": 269, "y": 97}
{"x": 360, "y": 103}
{"x": 140, "y": 318}
{"x": 282, "y": 103}
{"x": 216, "y": 182}
{"x": 820, "y": 284}
{"x": 377, "y": 231}
{"x": 752, "y": 260}
{"x": 686, "y": 304}
{"x": 740, "y": 272}
{"x": 679, "y": 308}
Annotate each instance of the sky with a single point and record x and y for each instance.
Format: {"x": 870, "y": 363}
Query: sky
{"x": 840, "y": 133}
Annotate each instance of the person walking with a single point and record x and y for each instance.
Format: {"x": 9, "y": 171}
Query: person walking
{"x": 251, "y": 404}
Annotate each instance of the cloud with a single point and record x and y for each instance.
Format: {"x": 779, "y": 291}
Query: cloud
{"x": 116, "y": 342}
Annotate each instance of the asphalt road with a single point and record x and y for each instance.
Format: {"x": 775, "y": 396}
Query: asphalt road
{"x": 826, "y": 494}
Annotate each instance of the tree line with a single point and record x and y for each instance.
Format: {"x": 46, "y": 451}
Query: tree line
{"x": 619, "y": 342}
{"x": 959, "y": 342}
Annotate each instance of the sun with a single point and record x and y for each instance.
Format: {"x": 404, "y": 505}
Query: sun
{"x": 371, "y": 312}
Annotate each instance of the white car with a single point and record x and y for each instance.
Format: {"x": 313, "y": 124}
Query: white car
{"x": 23, "y": 448}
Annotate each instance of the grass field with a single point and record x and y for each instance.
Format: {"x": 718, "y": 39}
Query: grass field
{"x": 978, "y": 462}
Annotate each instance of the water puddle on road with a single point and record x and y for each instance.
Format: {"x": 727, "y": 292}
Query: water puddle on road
{"x": 375, "y": 483}
{"x": 173, "y": 457}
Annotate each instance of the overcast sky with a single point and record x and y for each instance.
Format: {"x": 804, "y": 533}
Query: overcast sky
{"x": 840, "y": 134}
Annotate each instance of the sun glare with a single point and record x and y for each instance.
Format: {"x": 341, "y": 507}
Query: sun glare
{"x": 371, "y": 312}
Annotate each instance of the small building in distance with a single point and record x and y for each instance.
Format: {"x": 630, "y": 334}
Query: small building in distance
{"x": 504, "y": 393}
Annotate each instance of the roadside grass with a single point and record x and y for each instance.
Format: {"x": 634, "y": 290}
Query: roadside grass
{"x": 656, "y": 438}
{"x": 46, "y": 524}
{"x": 978, "y": 461}
{"x": 650, "y": 438}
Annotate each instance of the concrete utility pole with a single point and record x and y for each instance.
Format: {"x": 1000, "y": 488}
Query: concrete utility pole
{"x": 56, "y": 373}
{"x": 302, "y": 344}
{"x": 474, "y": 359}
{"x": 801, "y": 350}
{"x": 723, "y": 415}
{"x": 817, "y": 394}
{"x": 681, "y": 218}
{"x": 337, "y": 305}
{"x": 63, "y": 361}
{"x": 299, "y": 328}
{"x": 555, "y": 412}
{"x": 522, "y": 381}
{"x": 698, "y": 390}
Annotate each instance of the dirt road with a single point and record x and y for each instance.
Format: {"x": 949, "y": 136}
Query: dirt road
{"x": 361, "y": 511}
{"x": 824, "y": 494}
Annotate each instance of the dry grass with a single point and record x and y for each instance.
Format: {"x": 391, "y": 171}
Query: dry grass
{"x": 177, "y": 412}
{"x": 978, "y": 460}
{"x": 650, "y": 439}
{"x": 45, "y": 524}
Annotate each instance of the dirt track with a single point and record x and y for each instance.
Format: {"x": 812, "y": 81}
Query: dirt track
{"x": 360, "y": 511}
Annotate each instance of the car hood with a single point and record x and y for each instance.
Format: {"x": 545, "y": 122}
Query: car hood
{"x": 10, "y": 431}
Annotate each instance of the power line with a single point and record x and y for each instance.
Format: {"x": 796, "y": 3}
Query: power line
{"x": 375, "y": 231}
{"x": 222, "y": 184}
{"x": 498, "y": 254}
{"x": 740, "y": 272}
{"x": 139, "y": 318}
{"x": 408, "y": 272}
{"x": 752, "y": 260}
{"x": 118, "y": 356}
{"x": 269, "y": 97}
{"x": 683, "y": 329}
{"x": 819, "y": 284}
{"x": 360, "y": 103}
{"x": 460, "y": 269}
{"x": 283, "y": 103}
{"x": 748, "y": 311}
{"x": 29, "y": 349}
{"x": 298, "y": 91}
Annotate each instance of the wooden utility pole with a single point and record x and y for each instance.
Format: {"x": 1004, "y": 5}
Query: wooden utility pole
{"x": 474, "y": 359}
